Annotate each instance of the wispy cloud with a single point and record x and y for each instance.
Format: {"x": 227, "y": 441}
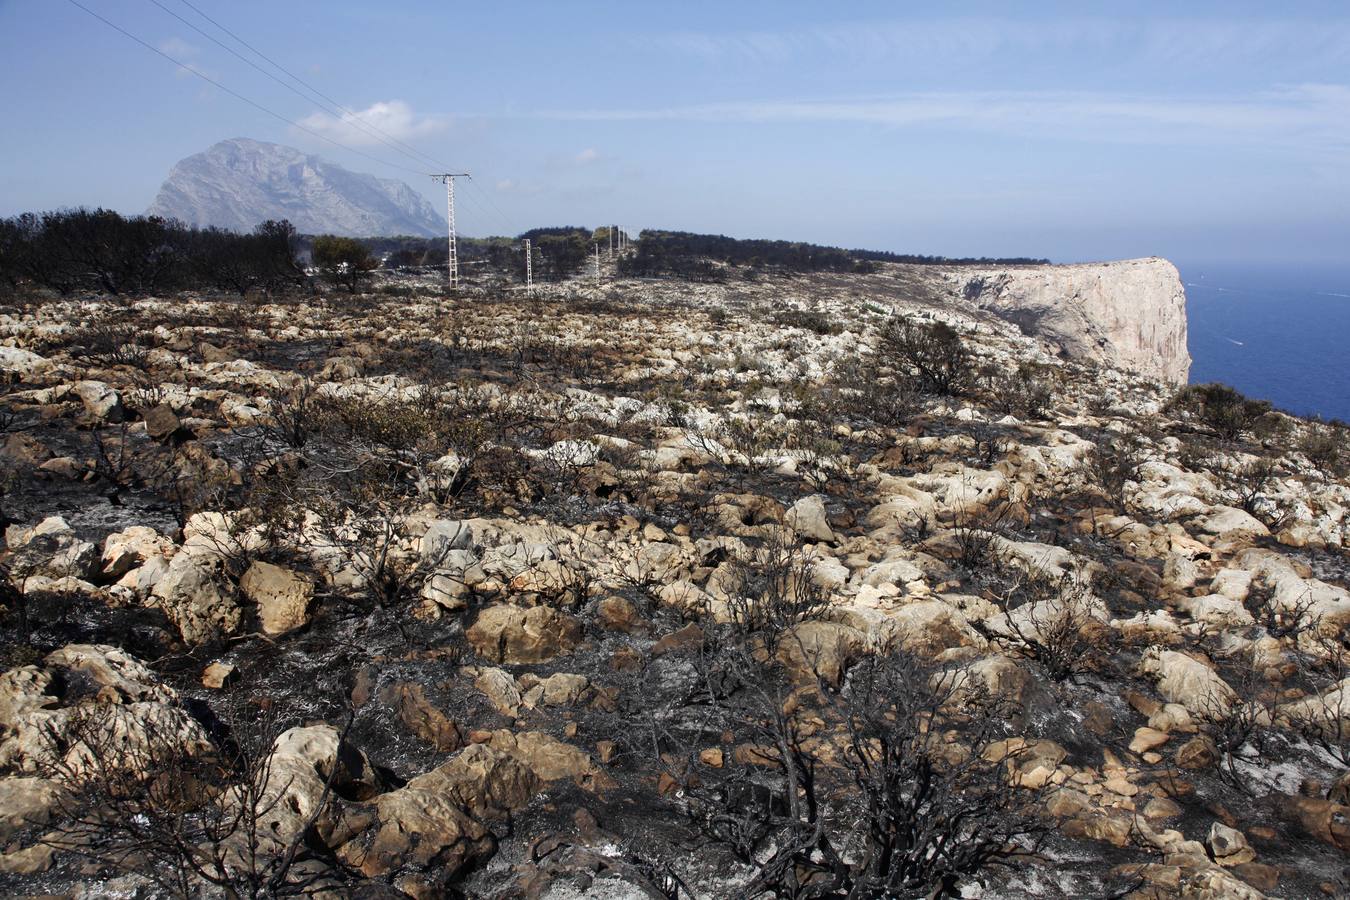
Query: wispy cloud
{"x": 962, "y": 39}
{"x": 1313, "y": 116}
{"x": 589, "y": 155}
{"x": 386, "y": 119}
{"x": 187, "y": 55}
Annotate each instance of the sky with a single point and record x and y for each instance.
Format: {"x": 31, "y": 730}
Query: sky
{"x": 1074, "y": 131}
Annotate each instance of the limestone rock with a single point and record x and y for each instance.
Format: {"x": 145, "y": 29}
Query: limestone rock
{"x": 807, "y": 518}
{"x": 24, "y": 363}
{"x": 821, "y": 649}
{"x": 301, "y": 762}
{"x": 434, "y": 822}
{"x": 218, "y": 674}
{"x": 422, "y": 717}
{"x": 119, "y": 676}
{"x": 1130, "y": 313}
{"x": 161, "y": 422}
{"x": 506, "y": 633}
{"x": 927, "y": 627}
{"x": 500, "y": 689}
{"x": 100, "y": 401}
{"x": 1185, "y": 680}
{"x": 1229, "y": 846}
{"x": 193, "y": 601}
{"x": 127, "y": 549}
{"x": 50, "y": 548}
{"x": 283, "y": 597}
{"x": 24, "y": 802}
{"x": 551, "y": 759}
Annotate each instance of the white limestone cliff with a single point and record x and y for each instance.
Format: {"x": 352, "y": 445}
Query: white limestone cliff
{"x": 1129, "y": 313}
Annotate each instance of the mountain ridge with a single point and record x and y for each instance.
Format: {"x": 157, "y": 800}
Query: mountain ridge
{"x": 239, "y": 182}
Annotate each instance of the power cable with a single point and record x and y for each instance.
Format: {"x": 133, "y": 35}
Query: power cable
{"x": 369, "y": 130}
{"x": 473, "y": 195}
{"x": 239, "y": 96}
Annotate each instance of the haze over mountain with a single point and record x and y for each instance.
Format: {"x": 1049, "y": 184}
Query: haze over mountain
{"x": 240, "y": 182}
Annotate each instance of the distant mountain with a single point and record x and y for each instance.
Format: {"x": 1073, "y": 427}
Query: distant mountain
{"x": 238, "y": 183}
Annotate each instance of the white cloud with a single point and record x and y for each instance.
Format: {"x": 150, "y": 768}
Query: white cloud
{"x": 186, "y": 54}
{"x": 375, "y": 124}
{"x": 589, "y": 155}
{"x": 178, "y": 48}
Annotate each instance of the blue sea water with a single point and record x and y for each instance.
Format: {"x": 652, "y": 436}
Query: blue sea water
{"x": 1275, "y": 332}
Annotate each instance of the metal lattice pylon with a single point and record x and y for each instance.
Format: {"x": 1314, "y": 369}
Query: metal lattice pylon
{"x": 452, "y": 260}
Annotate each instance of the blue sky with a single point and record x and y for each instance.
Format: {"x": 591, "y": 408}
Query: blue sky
{"x": 1075, "y": 131}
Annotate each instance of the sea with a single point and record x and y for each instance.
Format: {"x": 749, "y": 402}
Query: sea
{"x": 1275, "y": 332}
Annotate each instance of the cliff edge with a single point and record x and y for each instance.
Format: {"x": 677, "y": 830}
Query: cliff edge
{"x": 1129, "y": 313}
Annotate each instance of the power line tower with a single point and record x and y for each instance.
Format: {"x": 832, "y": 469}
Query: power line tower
{"x": 529, "y": 267}
{"x": 452, "y": 262}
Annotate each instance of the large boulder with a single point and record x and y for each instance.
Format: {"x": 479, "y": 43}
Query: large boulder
{"x": 928, "y": 628}
{"x": 131, "y": 548}
{"x": 1187, "y": 681}
{"x": 506, "y": 633}
{"x": 117, "y": 676}
{"x": 194, "y": 602}
{"x": 50, "y": 549}
{"x": 101, "y": 401}
{"x": 549, "y": 758}
{"x": 420, "y": 715}
{"x": 436, "y": 821}
{"x": 443, "y": 536}
{"x": 807, "y": 518}
{"x": 284, "y": 598}
{"x": 821, "y": 650}
{"x": 24, "y": 363}
{"x": 298, "y": 769}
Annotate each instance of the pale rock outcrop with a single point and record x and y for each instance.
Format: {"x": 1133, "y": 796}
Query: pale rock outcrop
{"x": 194, "y": 602}
{"x": 506, "y": 633}
{"x": 1187, "y": 681}
{"x": 24, "y": 363}
{"x": 100, "y": 400}
{"x": 136, "y": 731}
{"x": 1130, "y": 313}
{"x": 131, "y": 548}
{"x": 50, "y": 549}
{"x": 807, "y": 518}
{"x": 424, "y": 824}
{"x": 300, "y": 764}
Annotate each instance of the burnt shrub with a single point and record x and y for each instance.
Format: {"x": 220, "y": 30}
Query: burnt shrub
{"x": 1223, "y": 409}
{"x": 932, "y": 351}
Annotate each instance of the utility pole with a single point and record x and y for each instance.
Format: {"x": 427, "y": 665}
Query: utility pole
{"x": 597, "y": 260}
{"x": 611, "y": 242}
{"x": 452, "y": 260}
{"x": 529, "y": 267}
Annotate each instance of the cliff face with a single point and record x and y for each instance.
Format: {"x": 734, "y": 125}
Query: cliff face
{"x": 1130, "y": 313}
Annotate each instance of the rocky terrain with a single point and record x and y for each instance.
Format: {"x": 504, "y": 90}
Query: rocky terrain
{"x": 238, "y": 183}
{"x": 827, "y": 586}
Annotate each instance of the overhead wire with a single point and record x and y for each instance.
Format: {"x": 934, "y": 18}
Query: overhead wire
{"x": 477, "y": 196}
{"x": 308, "y": 87}
{"x": 239, "y": 96}
{"x": 370, "y": 131}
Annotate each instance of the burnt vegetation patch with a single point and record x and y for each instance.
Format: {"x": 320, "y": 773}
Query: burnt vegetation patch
{"x": 813, "y": 586}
